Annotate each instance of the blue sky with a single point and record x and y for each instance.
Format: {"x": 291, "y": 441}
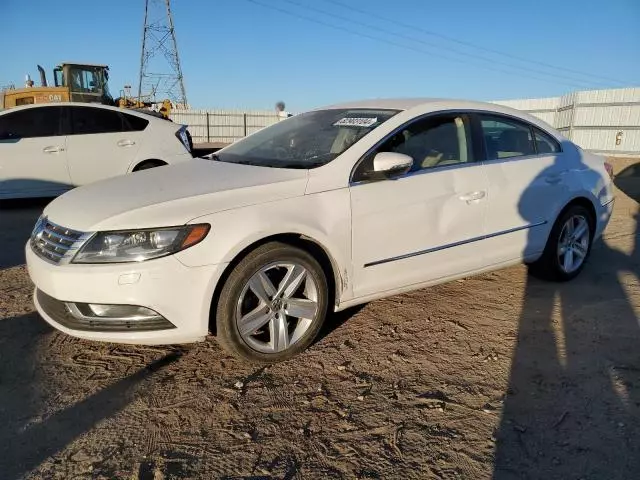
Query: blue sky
{"x": 238, "y": 54}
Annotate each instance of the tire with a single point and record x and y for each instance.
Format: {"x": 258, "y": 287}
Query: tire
{"x": 551, "y": 265}
{"x": 247, "y": 301}
{"x": 147, "y": 164}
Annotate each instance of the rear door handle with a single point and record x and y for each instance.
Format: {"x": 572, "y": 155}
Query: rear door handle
{"x": 126, "y": 143}
{"x": 473, "y": 196}
{"x": 53, "y": 149}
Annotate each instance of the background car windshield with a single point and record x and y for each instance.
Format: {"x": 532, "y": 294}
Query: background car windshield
{"x": 307, "y": 140}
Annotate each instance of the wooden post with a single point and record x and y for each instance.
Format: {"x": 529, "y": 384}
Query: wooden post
{"x": 244, "y": 121}
{"x": 208, "y": 137}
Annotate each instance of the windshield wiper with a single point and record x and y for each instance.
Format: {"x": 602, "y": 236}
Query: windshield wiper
{"x": 300, "y": 165}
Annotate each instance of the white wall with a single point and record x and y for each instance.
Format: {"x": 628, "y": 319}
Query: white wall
{"x": 224, "y": 126}
{"x": 592, "y": 118}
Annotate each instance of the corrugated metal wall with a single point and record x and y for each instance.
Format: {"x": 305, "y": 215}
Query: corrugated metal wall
{"x": 223, "y": 126}
{"x": 606, "y": 121}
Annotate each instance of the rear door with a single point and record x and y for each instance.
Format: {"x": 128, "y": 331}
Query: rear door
{"x": 102, "y": 143}
{"x": 526, "y": 174}
{"x": 33, "y": 160}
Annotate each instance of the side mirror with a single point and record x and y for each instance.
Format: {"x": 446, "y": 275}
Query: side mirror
{"x": 392, "y": 164}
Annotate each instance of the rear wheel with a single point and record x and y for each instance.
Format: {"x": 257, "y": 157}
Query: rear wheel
{"x": 568, "y": 246}
{"x": 272, "y": 305}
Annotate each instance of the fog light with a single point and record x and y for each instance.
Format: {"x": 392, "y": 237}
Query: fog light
{"x": 98, "y": 317}
{"x": 129, "y": 312}
{"x": 100, "y": 311}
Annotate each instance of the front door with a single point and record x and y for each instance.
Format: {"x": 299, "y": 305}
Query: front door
{"x": 33, "y": 157}
{"x": 424, "y": 225}
{"x": 525, "y": 169}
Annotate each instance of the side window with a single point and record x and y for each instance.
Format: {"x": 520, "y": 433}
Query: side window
{"x": 434, "y": 141}
{"x": 506, "y": 137}
{"x": 88, "y": 120}
{"x": 133, "y": 123}
{"x": 31, "y": 123}
{"x": 545, "y": 143}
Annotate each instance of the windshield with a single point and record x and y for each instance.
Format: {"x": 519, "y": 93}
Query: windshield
{"x": 307, "y": 140}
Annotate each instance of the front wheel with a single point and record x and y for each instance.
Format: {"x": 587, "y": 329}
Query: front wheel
{"x": 568, "y": 246}
{"x": 272, "y": 305}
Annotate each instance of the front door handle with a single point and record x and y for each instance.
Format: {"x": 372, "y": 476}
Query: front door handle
{"x": 473, "y": 196}
{"x": 126, "y": 143}
{"x": 53, "y": 149}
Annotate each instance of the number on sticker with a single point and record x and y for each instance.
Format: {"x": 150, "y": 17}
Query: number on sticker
{"x": 356, "y": 122}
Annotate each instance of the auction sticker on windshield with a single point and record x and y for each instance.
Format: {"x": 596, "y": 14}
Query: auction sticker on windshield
{"x": 356, "y": 122}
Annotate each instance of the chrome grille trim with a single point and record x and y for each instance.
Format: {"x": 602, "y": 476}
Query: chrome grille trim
{"x": 54, "y": 243}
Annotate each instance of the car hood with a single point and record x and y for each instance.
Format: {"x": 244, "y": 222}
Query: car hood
{"x": 172, "y": 195}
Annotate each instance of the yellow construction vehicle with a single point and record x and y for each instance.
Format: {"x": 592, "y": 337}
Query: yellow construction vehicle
{"x": 78, "y": 82}
{"x": 73, "y": 82}
{"x": 125, "y": 100}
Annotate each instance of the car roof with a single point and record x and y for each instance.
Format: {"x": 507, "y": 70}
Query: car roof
{"x": 83, "y": 64}
{"x": 405, "y": 104}
{"x": 137, "y": 113}
{"x": 386, "y": 103}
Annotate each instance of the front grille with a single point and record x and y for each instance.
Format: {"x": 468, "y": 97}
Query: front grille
{"x": 54, "y": 243}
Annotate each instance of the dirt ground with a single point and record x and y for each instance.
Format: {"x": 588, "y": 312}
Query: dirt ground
{"x": 499, "y": 376}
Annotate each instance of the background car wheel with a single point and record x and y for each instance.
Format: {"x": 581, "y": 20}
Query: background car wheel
{"x": 568, "y": 246}
{"x": 272, "y": 305}
{"x": 147, "y": 164}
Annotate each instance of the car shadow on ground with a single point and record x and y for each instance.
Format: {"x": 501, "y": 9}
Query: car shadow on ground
{"x": 17, "y": 219}
{"x": 28, "y": 434}
{"x": 335, "y": 320}
{"x": 572, "y": 407}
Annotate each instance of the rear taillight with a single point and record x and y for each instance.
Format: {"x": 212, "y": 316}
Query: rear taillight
{"x": 609, "y": 168}
{"x": 185, "y": 138}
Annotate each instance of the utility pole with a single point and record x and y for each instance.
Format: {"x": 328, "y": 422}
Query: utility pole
{"x": 160, "y": 70}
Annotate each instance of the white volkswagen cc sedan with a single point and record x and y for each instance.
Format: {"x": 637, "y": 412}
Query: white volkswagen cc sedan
{"x": 325, "y": 210}
{"x": 47, "y": 149}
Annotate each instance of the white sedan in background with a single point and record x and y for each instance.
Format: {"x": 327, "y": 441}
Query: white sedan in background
{"x": 320, "y": 212}
{"x": 48, "y": 149}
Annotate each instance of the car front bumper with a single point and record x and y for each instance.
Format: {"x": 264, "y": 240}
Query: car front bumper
{"x": 180, "y": 295}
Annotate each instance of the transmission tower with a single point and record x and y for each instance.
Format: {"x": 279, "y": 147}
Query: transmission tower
{"x": 160, "y": 71}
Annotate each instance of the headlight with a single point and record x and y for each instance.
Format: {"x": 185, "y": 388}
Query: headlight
{"x": 139, "y": 245}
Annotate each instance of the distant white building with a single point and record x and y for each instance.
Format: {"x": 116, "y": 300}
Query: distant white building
{"x": 603, "y": 121}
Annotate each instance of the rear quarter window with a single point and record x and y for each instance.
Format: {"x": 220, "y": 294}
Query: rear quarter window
{"x": 545, "y": 143}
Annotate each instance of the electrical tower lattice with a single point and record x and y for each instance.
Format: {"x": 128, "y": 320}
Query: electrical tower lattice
{"x": 160, "y": 71}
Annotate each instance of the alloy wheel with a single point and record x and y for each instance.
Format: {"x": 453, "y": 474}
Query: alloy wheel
{"x": 573, "y": 243}
{"x": 277, "y": 306}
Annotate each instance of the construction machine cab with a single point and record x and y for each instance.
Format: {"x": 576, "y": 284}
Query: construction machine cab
{"x": 86, "y": 82}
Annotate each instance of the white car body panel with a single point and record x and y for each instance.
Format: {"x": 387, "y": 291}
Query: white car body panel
{"x": 162, "y": 196}
{"x": 382, "y": 237}
{"x": 95, "y": 157}
{"x": 34, "y": 165}
{"x": 432, "y": 211}
{"x": 49, "y": 166}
